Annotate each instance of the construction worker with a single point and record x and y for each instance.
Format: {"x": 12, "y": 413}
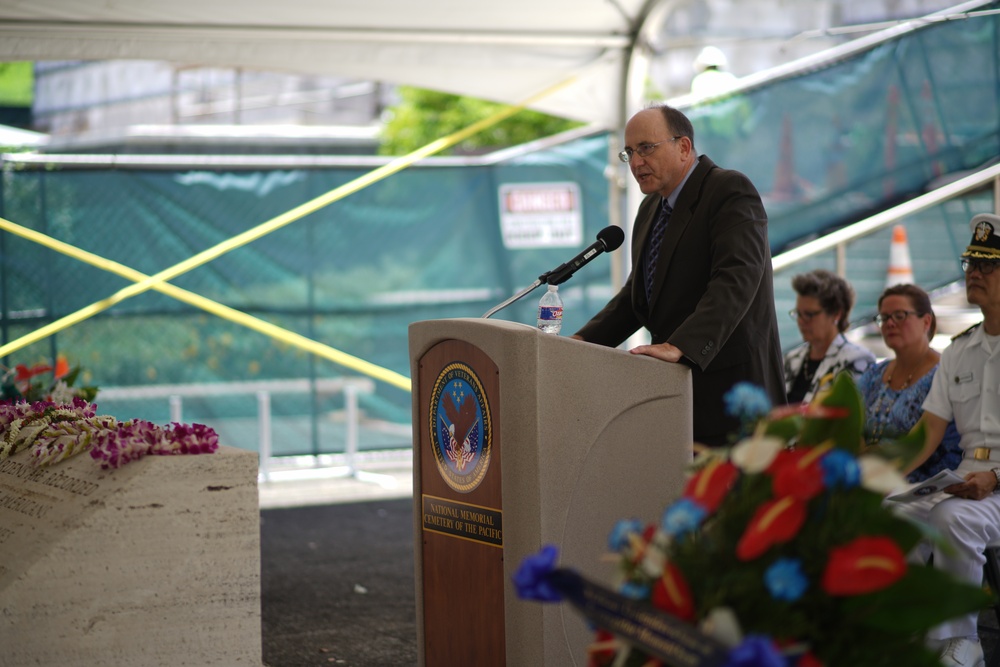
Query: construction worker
{"x": 712, "y": 75}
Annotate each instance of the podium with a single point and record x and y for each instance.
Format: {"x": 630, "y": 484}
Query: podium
{"x": 523, "y": 439}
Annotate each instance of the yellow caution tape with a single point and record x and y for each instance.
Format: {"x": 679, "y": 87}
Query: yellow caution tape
{"x": 144, "y": 283}
{"x": 198, "y": 301}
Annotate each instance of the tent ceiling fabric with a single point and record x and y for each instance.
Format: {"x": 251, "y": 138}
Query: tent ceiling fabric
{"x": 507, "y": 51}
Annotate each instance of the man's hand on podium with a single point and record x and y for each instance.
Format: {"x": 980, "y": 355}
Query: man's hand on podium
{"x": 664, "y": 351}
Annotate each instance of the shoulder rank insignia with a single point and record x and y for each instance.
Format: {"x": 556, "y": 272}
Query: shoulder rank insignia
{"x": 967, "y": 331}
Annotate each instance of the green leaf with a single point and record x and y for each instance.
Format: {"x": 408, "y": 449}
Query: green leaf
{"x": 70, "y": 378}
{"x": 847, "y": 432}
{"x": 858, "y": 650}
{"x": 785, "y": 429}
{"x": 903, "y": 450}
{"x": 923, "y": 598}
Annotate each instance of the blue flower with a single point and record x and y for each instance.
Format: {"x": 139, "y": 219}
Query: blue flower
{"x": 755, "y": 651}
{"x": 634, "y": 591}
{"x": 785, "y": 579}
{"x": 618, "y": 539}
{"x": 840, "y": 468}
{"x": 683, "y": 517}
{"x": 530, "y": 580}
{"x": 747, "y": 402}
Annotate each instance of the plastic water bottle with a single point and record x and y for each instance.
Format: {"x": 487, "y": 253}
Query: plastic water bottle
{"x": 550, "y": 309}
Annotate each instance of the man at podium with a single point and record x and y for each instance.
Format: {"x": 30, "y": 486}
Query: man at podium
{"x": 701, "y": 279}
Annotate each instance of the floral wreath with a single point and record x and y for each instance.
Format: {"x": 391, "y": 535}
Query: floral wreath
{"x": 57, "y": 420}
{"x": 779, "y": 553}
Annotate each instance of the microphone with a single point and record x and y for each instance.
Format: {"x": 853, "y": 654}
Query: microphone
{"x": 608, "y": 239}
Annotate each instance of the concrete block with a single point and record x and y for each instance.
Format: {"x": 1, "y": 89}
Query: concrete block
{"x": 156, "y": 563}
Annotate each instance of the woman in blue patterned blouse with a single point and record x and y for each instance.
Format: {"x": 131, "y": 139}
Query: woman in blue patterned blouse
{"x": 894, "y": 389}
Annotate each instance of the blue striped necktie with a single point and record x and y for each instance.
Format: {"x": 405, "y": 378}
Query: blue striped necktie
{"x": 653, "y": 249}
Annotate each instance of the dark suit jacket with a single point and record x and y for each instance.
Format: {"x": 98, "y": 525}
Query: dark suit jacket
{"x": 713, "y": 293}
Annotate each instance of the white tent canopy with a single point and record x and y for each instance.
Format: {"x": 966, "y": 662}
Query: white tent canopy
{"x": 504, "y": 51}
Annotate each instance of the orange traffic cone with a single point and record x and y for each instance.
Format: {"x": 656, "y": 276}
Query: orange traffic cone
{"x": 900, "y": 269}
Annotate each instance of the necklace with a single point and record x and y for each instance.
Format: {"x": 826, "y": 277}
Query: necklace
{"x": 888, "y": 381}
{"x": 809, "y": 368}
{"x": 880, "y": 414}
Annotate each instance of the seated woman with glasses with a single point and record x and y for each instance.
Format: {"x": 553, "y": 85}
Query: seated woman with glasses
{"x": 894, "y": 389}
{"x": 822, "y": 308}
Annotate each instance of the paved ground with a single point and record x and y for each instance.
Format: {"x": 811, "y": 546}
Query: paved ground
{"x": 337, "y": 566}
{"x": 337, "y": 585}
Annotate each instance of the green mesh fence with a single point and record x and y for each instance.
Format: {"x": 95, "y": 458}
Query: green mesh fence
{"x": 423, "y": 244}
{"x": 825, "y": 148}
{"x": 842, "y": 141}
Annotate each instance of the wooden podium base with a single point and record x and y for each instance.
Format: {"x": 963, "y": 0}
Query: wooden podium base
{"x": 462, "y": 508}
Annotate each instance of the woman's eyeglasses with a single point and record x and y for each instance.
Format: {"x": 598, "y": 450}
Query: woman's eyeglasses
{"x": 896, "y": 316}
{"x": 804, "y": 315}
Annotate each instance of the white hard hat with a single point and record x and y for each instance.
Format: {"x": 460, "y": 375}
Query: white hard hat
{"x": 710, "y": 56}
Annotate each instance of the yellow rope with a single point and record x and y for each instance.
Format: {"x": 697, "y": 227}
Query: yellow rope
{"x": 225, "y": 312}
{"x": 144, "y": 283}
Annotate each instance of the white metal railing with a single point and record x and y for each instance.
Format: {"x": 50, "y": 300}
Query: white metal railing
{"x": 263, "y": 389}
{"x": 839, "y": 239}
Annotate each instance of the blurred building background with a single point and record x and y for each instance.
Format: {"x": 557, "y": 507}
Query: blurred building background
{"x": 758, "y": 35}
{"x": 121, "y": 106}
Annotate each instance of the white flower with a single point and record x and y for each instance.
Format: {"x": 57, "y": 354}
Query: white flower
{"x": 722, "y": 625}
{"x": 879, "y": 475}
{"x": 754, "y": 455}
{"x": 653, "y": 561}
{"x": 62, "y": 393}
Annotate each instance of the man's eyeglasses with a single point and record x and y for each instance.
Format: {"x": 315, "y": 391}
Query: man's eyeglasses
{"x": 984, "y": 266}
{"x": 642, "y": 150}
{"x": 896, "y": 316}
{"x": 804, "y": 315}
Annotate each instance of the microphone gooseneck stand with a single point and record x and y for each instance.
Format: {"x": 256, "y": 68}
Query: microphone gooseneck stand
{"x": 608, "y": 239}
{"x": 542, "y": 279}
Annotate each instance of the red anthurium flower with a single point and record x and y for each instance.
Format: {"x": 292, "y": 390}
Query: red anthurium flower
{"x": 798, "y": 473}
{"x": 865, "y": 565}
{"x": 773, "y": 523}
{"x": 809, "y": 660}
{"x": 639, "y": 544}
{"x": 25, "y": 373}
{"x": 602, "y": 651}
{"x": 671, "y": 594}
{"x": 810, "y": 410}
{"x": 711, "y": 484}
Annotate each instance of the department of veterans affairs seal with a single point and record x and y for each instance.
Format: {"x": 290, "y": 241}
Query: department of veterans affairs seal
{"x": 461, "y": 427}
